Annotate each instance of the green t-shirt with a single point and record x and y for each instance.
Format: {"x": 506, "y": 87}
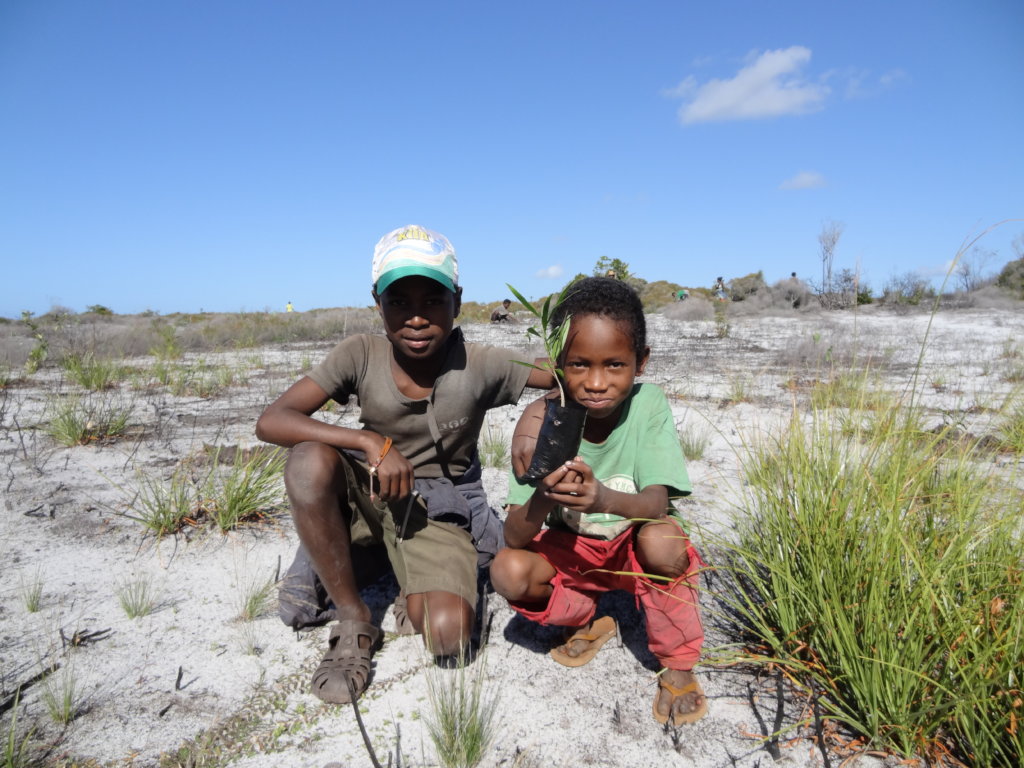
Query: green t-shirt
{"x": 642, "y": 450}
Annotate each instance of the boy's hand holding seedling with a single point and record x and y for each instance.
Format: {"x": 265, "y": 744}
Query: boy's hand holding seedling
{"x": 574, "y": 486}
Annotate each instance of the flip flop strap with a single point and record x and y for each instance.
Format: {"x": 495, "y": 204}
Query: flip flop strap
{"x": 689, "y": 688}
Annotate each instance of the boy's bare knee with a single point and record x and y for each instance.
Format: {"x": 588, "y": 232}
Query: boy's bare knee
{"x": 661, "y": 550}
{"x": 510, "y": 574}
{"x": 447, "y": 630}
{"x": 312, "y": 471}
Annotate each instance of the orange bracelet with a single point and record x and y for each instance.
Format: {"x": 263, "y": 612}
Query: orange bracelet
{"x": 388, "y": 442}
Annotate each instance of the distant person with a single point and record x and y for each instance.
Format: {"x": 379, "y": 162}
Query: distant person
{"x": 288, "y": 307}
{"x": 502, "y": 314}
{"x": 682, "y": 294}
{"x": 410, "y": 477}
{"x": 603, "y": 521}
{"x": 719, "y": 289}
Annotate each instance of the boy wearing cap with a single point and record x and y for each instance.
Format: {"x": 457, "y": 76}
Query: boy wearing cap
{"x": 405, "y": 479}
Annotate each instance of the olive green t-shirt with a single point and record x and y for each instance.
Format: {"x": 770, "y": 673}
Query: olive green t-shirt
{"x": 439, "y": 433}
{"x": 642, "y": 450}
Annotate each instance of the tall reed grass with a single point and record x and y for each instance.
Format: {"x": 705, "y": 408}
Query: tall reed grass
{"x": 883, "y": 568}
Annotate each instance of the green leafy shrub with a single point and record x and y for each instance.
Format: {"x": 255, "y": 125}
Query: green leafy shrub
{"x": 1011, "y": 278}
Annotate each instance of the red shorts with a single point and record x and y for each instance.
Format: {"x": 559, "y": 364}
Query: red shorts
{"x": 586, "y": 567}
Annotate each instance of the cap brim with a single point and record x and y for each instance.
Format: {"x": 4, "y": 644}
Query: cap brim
{"x": 385, "y": 280}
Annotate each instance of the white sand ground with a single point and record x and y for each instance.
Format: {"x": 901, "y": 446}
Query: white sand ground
{"x": 147, "y": 686}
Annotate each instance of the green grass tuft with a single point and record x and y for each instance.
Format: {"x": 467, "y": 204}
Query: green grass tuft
{"x": 461, "y": 721}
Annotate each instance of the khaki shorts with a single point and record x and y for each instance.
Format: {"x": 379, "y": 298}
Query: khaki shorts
{"x": 426, "y": 555}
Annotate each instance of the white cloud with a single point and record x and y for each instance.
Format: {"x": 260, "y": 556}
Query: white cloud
{"x": 769, "y": 86}
{"x": 804, "y": 180}
{"x": 862, "y": 84}
{"x": 550, "y": 273}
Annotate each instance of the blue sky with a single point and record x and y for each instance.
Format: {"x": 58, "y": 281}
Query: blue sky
{"x": 226, "y": 156}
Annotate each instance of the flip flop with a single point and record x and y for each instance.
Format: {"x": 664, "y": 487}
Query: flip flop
{"x": 344, "y": 672}
{"x": 601, "y": 631}
{"x": 680, "y": 717}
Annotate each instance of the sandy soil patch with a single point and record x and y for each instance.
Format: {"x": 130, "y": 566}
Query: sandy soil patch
{"x": 191, "y": 670}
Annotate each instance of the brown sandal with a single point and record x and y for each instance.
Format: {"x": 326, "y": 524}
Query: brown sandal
{"x": 599, "y": 632}
{"x": 679, "y": 718}
{"x": 344, "y": 672}
{"x": 400, "y": 609}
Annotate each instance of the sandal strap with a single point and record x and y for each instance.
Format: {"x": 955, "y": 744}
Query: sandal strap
{"x": 594, "y": 633}
{"x": 688, "y": 688}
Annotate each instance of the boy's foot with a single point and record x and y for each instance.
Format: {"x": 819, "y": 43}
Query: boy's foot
{"x": 344, "y": 672}
{"x": 679, "y": 698}
{"x": 400, "y": 609}
{"x": 584, "y": 643}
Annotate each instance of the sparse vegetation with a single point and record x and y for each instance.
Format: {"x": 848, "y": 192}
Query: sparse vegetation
{"x": 16, "y": 752}
{"x": 1010, "y": 425}
{"x": 256, "y": 596}
{"x": 80, "y": 420}
{"x": 494, "y": 448}
{"x": 252, "y": 486}
{"x": 462, "y": 717}
{"x": 30, "y": 589}
{"x": 93, "y": 373}
{"x": 137, "y": 596}
{"x": 61, "y": 692}
{"x": 164, "y": 507}
{"x": 882, "y": 571}
{"x": 694, "y": 440}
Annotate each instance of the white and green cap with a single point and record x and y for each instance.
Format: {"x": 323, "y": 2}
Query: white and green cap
{"x": 413, "y": 250}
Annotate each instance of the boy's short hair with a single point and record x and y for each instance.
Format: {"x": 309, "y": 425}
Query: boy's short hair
{"x": 414, "y": 250}
{"x": 606, "y": 297}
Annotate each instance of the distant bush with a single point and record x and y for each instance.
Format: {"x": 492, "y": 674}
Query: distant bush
{"x": 741, "y": 288}
{"x": 99, "y": 309}
{"x": 907, "y": 289}
{"x": 658, "y": 294}
{"x": 694, "y": 308}
{"x": 1011, "y": 278}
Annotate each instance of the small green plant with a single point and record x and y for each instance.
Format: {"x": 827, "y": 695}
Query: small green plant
{"x": 252, "y": 486}
{"x": 461, "y": 721}
{"x": 93, "y": 373}
{"x": 77, "y": 421}
{"x": 553, "y": 339}
{"x": 1011, "y": 425}
{"x": 739, "y": 389}
{"x": 256, "y": 596}
{"x": 16, "y": 747}
{"x": 694, "y": 441}
{"x": 168, "y": 347}
{"x": 722, "y": 327}
{"x": 41, "y": 350}
{"x": 60, "y": 693}
{"x": 494, "y": 448}
{"x": 31, "y": 591}
{"x": 137, "y": 596}
{"x": 164, "y": 507}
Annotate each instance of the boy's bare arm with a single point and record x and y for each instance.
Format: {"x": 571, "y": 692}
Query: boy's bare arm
{"x": 540, "y": 376}
{"x": 289, "y": 421}
{"x": 524, "y": 438}
{"x": 524, "y": 522}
